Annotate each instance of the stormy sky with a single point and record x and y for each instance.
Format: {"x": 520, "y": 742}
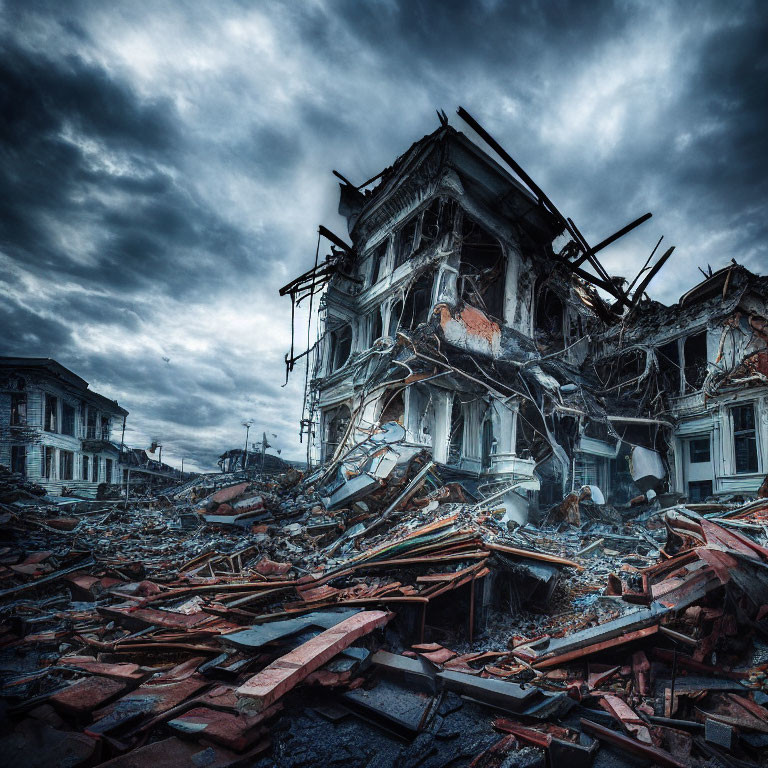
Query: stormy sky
{"x": 164, "y": 167}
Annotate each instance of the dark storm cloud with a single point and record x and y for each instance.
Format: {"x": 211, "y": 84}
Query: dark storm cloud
{"x": 50, "y": 110}
{"x": 164, "y": 166}
{"x": 24, "y": 329}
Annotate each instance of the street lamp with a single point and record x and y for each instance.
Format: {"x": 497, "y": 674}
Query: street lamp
{"x": 247, "y": 424}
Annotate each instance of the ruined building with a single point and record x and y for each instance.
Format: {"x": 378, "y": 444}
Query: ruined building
{"x": 56, "y": 431}
{"x": 464, "y": 311}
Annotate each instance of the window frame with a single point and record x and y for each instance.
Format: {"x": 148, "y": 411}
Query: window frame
{"x": 19, "y": 409}
{"x": 740, "y": 434}
{"x": 51, "y": 408}
{"x": 691, "y": 442}
{"x": 68, "y": 426}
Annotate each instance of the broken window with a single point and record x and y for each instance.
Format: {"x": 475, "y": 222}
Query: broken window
{"x": 51, "y": 413}
{"x": 695, "y": 355}
{"x": 104, "y": 428}
{"x": 376, "y": 324}
{"x": 85, "y": 467}
{"x": 549, "y": 319}
{"x": 744, "y": 438}
{"x": 67, "y": 419}
{"x": 698, "y": 450}
{"x": 108, "y": 471}
{"x": 456, "y": 443}
{"x": 341, "y": 346}
{"x": 336, "y": 422}
{"x": 18, "y": 408}
{"x": 95, "y": 470}
{"x": 407, "y": 240}
{"x": 379, "y": 254}
{"x": 430, "y": 222}
{"x": 668, "y": 358}
{"x": 394, "y": 408}
{"x": 394, "y": 318}
{"x": 66, "y": 465}
{"x": 481, "y": 272}
{"x": 418, "y": 302}
{"x": 19, "y": 459}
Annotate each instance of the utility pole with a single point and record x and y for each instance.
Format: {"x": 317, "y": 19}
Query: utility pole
{"x": 182, "y": 466}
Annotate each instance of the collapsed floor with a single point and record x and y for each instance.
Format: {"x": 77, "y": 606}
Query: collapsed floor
{"x": 242, "y": 622}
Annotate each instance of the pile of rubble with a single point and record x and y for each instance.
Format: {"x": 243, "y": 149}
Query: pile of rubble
{"x": 372, "y": 614}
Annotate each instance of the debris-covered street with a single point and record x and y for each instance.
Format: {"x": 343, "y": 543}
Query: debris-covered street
{"x": 237, "y": 621}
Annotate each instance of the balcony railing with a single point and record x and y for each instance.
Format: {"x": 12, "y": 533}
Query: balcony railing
{"x": 96, "y": 433}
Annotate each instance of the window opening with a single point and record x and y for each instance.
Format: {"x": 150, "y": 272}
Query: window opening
{"x": 379, "y": 254}
{"x": 18, "y": 408}
{"x": 51, "y": 413}
{"x": 417, "y": 302}
{"x": 456, "y": 444}
{"x": 394, "y": 408}
{"x": 67, "y": 419}
{"x": 668, "y": 358}
{"x": 695, "y": 355}
{"x": 430, "y": 223}
{"x": 481, "y": 272}
{"x": 744, "y": 438}
{"x": 407, "y": 241}
{"x": 341, "y": 346}
{"x": 549, "y": 319}
{"x": 336, "y": 423}
{"x": 698, "y": 450}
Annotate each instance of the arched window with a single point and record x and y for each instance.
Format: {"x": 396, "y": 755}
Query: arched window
{"x": 341, "y": 346}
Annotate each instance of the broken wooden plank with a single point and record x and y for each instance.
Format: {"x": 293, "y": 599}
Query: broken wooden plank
{"x": 285, "y": 673}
